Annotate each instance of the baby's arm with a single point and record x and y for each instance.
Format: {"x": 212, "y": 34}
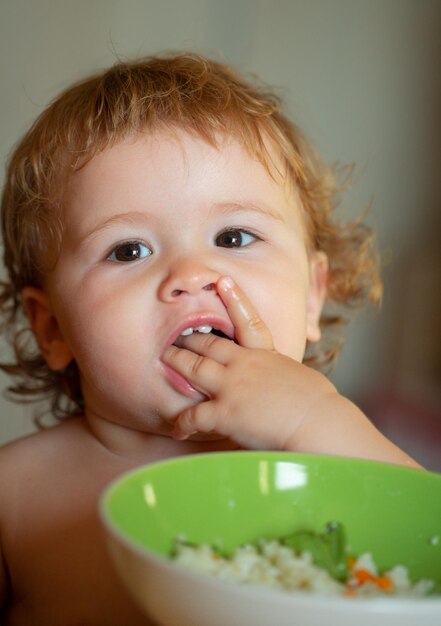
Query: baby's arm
{"x": 263, "y": 399}
{"x": 2, "y": 584}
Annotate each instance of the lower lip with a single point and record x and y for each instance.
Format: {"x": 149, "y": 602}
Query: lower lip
{"x": 181, "y": 384}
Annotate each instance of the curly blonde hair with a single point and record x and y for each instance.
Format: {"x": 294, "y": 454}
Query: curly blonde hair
{"x": 186, "y": 91}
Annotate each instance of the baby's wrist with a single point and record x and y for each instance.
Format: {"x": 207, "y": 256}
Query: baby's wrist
{"x": 315, "y": 420}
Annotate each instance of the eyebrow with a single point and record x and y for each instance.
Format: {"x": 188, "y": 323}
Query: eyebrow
{"x": 236, "y": 207}
{"x": 132, "y": 217}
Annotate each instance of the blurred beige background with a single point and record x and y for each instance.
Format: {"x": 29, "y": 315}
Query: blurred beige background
{"x": 362, "y": 79}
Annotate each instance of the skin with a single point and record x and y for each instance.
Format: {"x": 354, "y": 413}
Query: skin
{"x": 150, "y": 393}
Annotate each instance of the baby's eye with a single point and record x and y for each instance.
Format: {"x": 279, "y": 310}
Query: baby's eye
{"x": 234, "y": 238}
{"x": 129, "y": 251}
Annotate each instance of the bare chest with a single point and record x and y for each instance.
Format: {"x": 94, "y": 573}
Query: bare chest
{"x": 59, "y": 568}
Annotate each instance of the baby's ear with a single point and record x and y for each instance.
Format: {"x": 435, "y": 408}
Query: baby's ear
{"x": 44, "y": 324}
{"x": 318, "y": 271}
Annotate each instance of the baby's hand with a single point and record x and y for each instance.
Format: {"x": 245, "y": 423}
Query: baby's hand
{"x": 255, "y": 395}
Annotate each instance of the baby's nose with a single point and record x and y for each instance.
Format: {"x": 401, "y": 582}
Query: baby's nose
{"x": 187, "y": 278}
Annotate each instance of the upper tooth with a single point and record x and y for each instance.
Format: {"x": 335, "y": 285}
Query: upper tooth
{"x": 204, "y": 329}
{"x": 198, "y": 329}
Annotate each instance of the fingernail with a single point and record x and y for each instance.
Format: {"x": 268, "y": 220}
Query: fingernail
{"x": 226, "y": 282}
{"x": 179, "y": 435}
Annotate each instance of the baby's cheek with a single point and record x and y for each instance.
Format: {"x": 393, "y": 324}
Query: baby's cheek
{"x": 288, "y": 329}
{"x": 293, "y": 347}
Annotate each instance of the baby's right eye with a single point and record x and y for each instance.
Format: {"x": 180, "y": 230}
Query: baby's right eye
{"x": 129, "y": 251}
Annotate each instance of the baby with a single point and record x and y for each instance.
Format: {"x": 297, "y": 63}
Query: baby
{"x": 169, "y": 236}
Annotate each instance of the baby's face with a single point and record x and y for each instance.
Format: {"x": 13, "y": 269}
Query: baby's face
{"x": 151, "y": 224}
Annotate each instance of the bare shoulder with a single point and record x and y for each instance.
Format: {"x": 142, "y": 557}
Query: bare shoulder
{"x": 47, "y": 457}
{"x": 26, "y": 466}
{"x": 51, "y": 540}
{"x": 48, "y": 444}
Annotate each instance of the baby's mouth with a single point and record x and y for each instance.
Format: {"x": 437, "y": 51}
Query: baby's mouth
{"x": 203, "y": 324}
{"x": 205, "y": 330}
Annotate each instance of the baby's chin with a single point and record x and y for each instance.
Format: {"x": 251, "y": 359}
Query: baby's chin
{"x": 165, "y": 426}
{"x": 174, "y": 405}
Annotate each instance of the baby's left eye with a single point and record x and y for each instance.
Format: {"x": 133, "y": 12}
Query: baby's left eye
{"x": 235, "y": 238}
{"x": 129, "y": 251}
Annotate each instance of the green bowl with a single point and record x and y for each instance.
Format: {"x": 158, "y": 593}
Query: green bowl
{"x": 238, "y": 497}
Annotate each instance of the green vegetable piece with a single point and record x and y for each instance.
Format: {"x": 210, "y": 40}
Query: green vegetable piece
{"x": 304, "y": 541}
{"x": 327, "y": 548}
{"x": 335, "y": 537}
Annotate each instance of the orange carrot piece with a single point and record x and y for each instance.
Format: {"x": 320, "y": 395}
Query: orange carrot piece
{"x": 363, "y": 576}
{"x": 385, "y": 583}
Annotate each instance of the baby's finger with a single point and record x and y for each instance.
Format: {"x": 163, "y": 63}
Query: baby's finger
{"x": 202, "y": 373}
{"x": 200, "y": 418}
{"x": 209, "y": 345}
{"x": 251, "y": 330}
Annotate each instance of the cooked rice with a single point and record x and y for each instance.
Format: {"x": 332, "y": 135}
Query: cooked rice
{"x": 273, "y": 564}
